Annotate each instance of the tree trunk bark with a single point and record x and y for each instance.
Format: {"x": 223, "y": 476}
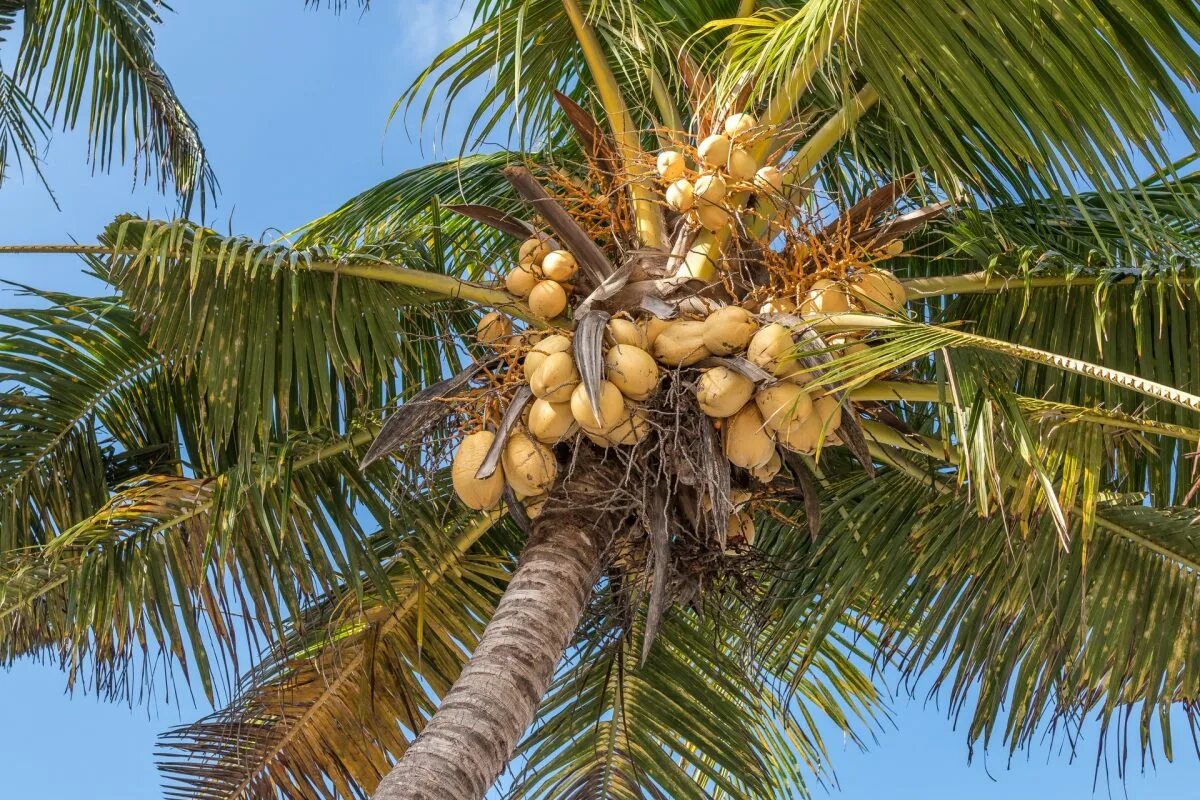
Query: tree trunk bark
{"x": 471, "y": 738}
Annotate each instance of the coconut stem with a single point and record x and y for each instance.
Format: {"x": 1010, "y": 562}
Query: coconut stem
{"x": 987, "y": 283}
{"x": 445, "y": 286}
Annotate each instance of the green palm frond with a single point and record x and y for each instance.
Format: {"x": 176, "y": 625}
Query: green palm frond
{"x": 308, "y": 348}
{"x": 706, "y": 716}
{"x": 356, "y": 679}
{"x": 96, "y": 58}
{"x": 1043, "y": 635}
{"x": 82, "y": 388}
{"x": 1099, "y": 82}
{"x": 23, "y": 128}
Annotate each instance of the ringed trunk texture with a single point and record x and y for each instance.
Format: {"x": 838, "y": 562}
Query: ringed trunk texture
{"x": 471, "y": 738}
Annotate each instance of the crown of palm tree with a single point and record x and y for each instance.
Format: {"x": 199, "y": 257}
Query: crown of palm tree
{"x": 1012, "y": 515}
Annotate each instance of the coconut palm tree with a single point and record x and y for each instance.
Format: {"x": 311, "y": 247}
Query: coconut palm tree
{"x": 787, "y": 339}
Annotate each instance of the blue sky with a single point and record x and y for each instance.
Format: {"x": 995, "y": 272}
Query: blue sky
{"x": 293, "y": 105}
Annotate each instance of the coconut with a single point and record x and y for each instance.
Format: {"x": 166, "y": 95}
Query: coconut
{"x": 712, "y": 218}
{"x": 711, "y": 189}
{"x": 624, "y": 331}
{"x": 534, "y": 506}
{"x": 554, "y": 343}
{"x": 826, "y": 297}
{"x": 550, "y": 423}
{"x": 801, "y": 435}
{"x": 829, "y": 411}
{"x": 742, "y": 166}
{"x": 631, "y": 430}
{"x": 529, "y": 466}
{"x": 728, "y": 330}
{"x": 770, "y": 349}
{"x": 722, "y": 392}
{"x": 893, "y": 248}
{"x": 681, "y": 195}
{"x": 521, "y": 281}
{"x": 632, "y": 370}
{"x": 555, "y": 379}
{"x": 740, "y": 529}
{"x": 559, "y": 265}
{"x": 783, "y": 404}
{"x": 548, "y": 299}
{"x": 739, "y": 124}
{"x": 612, "y": 408}
{"x": 767, "y": 472}
{"x": 476, "y": 493}
{"x": 651, "y": 328}
{"x": 680, "y": 344}
{"x": 533, "y": 250}
{"x": 769, "y": 179}
{"x": 714, "y": 151}
{"x": 671, "y": 165}
{"x": 493, "y": 329}
{"x": 748, "y": 444}
{"x": 878, "y": 290}
{"x": 778, "y": 305}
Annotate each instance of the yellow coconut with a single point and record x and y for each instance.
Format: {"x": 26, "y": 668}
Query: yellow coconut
{"x": 534, "y": 506}
{"x": 554, "y": 343}
{"x": 801, "y": 435}
{"x": 493, "y": 329}
{"x": 681, "y": 343}
{"x": 769, "y": 179}
{"x": 829, "y": 411}
{"x": 476, "y": 493}
{"x": 624, "y": 331}
{"x": 711, "y": 189}
{"x": 783, "y": 404}
{"x": 739, "y": 124}
{"x": 878, "y": 290}
{"x": 767, "y": 472}
{"x": 555, "y": 379}
{"x": 714, "y": 151}
{"x": 632, "y": 370}
{"x": 728, "y": 330}
{"x": 652, "y": 327}
{"x": 826, "y": 297}
{"x": 559, "y": 266}
{"x": 630, "y": 430}
{"x": 529, "y": 466}
{"x": 771, "y": 349}
{"x": 521, "y": 281}
{"x": 893, "y": 248}
{"x": 740, "y": 529}
{"x": 681, "y": 195}
{"x": 671, "y": 165}
{"x": 548, "y": 299}
{"x": 712, "y": 218}
{"x": 778, "y": 305}
{"x": 722, "y": 392}
{"x": 533, "y": 250}
{"x": 550, "y": 422}
{"x": 742, "y": 166}
{"x": 748, "y": 444}
{"x": 612, "y": 408}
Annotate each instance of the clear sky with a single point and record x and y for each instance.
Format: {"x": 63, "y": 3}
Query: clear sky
{"x": 292, "y": 105}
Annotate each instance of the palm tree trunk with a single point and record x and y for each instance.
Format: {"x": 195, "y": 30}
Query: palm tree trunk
{"x": 470, "y": 739}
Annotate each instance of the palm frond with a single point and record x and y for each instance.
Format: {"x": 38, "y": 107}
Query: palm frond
{"x": 23, "y": 128}
{"x": 96, "y": 57}
{"x": 325, "y": 712}
{"x": 706, "y": 715}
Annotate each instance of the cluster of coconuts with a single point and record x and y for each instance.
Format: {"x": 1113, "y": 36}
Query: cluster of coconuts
{"x": 725, "y": 164}
{"x": 543, "y": 277}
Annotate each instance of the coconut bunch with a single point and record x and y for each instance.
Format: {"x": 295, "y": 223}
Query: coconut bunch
{"x": 542, "y": 277}
{"x": 723, "y": 164}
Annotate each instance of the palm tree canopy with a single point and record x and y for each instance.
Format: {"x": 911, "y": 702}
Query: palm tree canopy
{"x": 181, "y": 460}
